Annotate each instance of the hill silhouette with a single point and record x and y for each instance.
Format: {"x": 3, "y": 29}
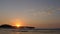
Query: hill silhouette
{"x": 6, "y": 26}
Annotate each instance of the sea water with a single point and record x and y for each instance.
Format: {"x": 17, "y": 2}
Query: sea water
{"x": 6, "y": 31}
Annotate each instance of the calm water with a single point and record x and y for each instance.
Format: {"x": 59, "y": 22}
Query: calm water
{"x": 35, "y": 32}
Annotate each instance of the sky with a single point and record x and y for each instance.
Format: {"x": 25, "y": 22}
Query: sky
{"x": 37, "y": 13}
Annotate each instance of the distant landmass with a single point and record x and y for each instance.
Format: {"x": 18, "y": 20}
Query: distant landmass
{"x": 6, "y": 26}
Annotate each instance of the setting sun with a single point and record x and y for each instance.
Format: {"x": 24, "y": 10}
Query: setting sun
{"x": 17, "y": 25}
{"x": 17, "y": 22}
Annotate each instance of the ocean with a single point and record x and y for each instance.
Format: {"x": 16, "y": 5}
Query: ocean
{"x": 6, "y": 31}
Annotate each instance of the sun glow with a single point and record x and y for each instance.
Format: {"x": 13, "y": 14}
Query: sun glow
{"x": 17, "y": 25}
{"x": 17, "y": 22}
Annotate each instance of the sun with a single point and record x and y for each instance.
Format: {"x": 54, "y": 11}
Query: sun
{"x": 17, "y": 25}
{"x": 17, "y": 22}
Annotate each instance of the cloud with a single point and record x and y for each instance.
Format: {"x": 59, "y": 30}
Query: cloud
{"x": 58, "y": 9}
{"x": 43, "y": 13}
{"x": 39, "y": 12}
